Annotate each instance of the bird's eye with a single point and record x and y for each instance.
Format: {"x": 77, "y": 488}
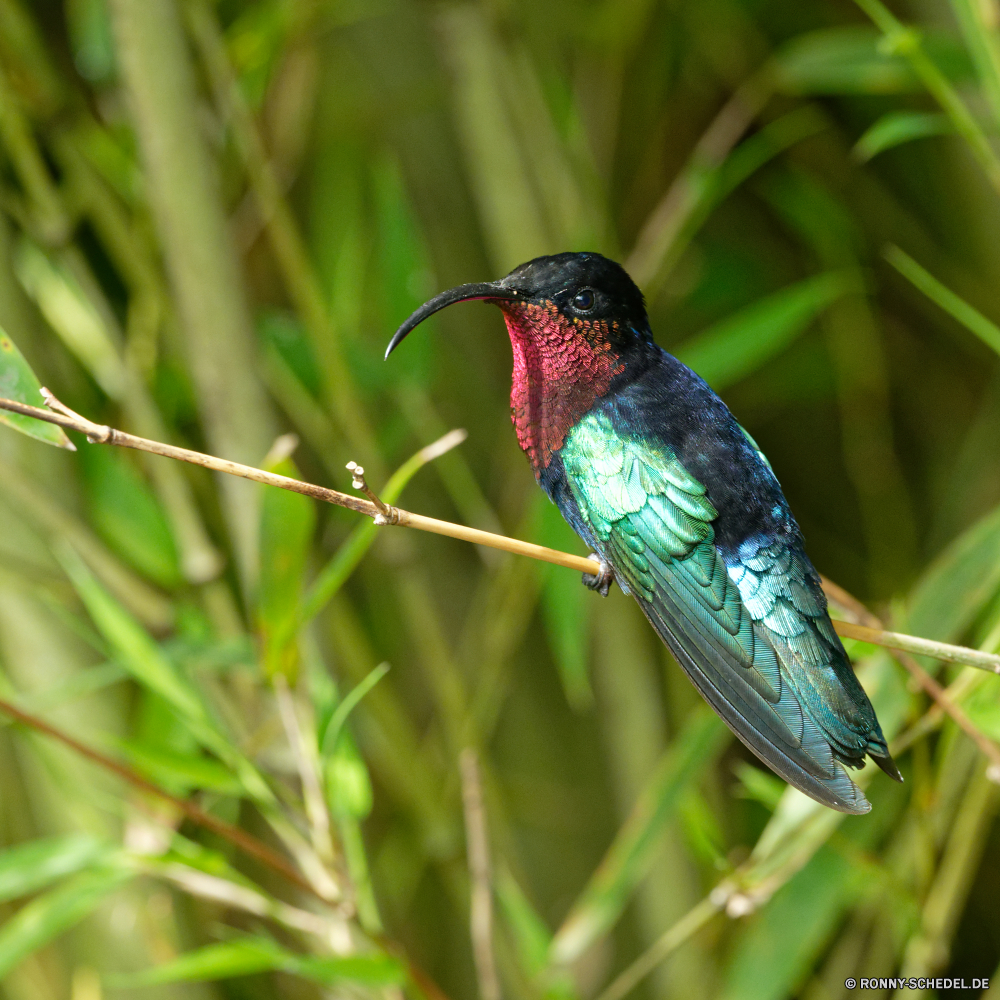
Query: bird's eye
{"x": 584, "y": 300}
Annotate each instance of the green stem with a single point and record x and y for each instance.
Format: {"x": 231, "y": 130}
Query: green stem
{"x": 906, "y": 42}
{"x": 983, "y": 41}
{"x": 29, "y": 165}
{"x": 986, "y": 330}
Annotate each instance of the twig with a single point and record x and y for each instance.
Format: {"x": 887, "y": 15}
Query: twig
{"x": 921, "y": 647}
{"x": 102, "y": 434}
{"x": 386, "y": 514}
{"x": 477, "y": 846}
{"x": 200, "y": 883}
{"x": 238, "y": 838}
{"x": 911, "y": 644}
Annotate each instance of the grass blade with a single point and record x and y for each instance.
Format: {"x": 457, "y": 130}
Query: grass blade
{"x": 29, "y": 867}
{"x": 956, "y": 307}
{"x": 897, "y": 127}
{"x": 135, "y": 648}
{"x": 18, "y": 381}
{"x": 254, "y": 955}
{"x": 55, "y": 912}
{"x": 628, "y": 857}
{"x": 344, "y": 709}
{"x": 208, "y": 964}
{"x": 740, "y": 344}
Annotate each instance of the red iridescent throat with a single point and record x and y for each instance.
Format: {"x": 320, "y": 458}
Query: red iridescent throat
{"x": 561, "y": 366}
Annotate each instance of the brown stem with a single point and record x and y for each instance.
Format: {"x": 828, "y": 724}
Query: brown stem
{"x": 872, "y": 630}
{"x": 238, "y": 838}
{"x": 102, "y": 434}
{"x": 478, "y": 850}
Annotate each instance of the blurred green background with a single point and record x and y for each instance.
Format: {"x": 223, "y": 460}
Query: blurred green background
{"x": 212, "y": 217}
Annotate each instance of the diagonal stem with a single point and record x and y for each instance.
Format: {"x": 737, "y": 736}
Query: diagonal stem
{"x": 937, "y": 693}
{"x": 248, "y": 844}
{"x": 478, "y": 850}
{"x": 102, "y": 434}
{"x": 239, "y": 838}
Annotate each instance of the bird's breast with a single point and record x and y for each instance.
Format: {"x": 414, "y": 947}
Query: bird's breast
{"x": 560, "y": 369}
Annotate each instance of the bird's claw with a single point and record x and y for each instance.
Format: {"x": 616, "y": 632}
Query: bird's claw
{"x": 600, "y": 581}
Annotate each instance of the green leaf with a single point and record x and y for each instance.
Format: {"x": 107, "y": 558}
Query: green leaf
{"x": 366, "y": 970}
{"x": 844, "y": 60}
{"x": 775, "y": 948}
{"x": 532, "y": 939}
{"x": 249, "y": 956}
{"x": 898, "y": 127}
{"x": 564, "y": 611}
{"x": 29, "y": 867}
{"x": 982, "y": 706}
{"x": 709, "y": 186}
{"x": 531, "y": 936}
{"x": 180, "y": 773}
{"x": 762, "y": 786}
{"x": 328, "y": 743}
{"x": 72, "y": 315}
{"x": 852, "y": 60}
{"x": 18, "y": 382}
{"x": 214, "y": 961}
{"x": 634, "y": 848}
{"x": 135, "y": 648}
{"x": 286, "y": 529}
{"x": 774, "y": 952}
{"x": 348, "y": 785}
{"x": 733, "y": 348}
{"x": 127, "y": 514}
{"x": 89, "y": 25}
{"x": 49, "y": 915}
{"x": 286, "y": 335}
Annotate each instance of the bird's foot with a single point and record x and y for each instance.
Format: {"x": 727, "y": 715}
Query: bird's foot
{"x": 601, "y": 580}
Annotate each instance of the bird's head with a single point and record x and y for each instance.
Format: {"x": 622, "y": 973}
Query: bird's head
{"x": 584, "y": 293}
{"x": 574, "y": 320}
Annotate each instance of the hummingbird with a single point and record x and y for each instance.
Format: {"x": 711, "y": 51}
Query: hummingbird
{"x": 681, "y": 508}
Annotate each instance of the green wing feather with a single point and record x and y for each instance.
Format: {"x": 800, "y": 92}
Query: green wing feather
{"x": 754, "y": 638}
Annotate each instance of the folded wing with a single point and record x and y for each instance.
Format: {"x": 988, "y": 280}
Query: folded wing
{"x": 750, "y": 630}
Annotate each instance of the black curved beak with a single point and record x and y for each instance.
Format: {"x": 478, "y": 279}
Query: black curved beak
{"x": 463, "y": 293}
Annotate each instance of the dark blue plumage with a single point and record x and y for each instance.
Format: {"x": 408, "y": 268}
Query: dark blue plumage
{"x": 652, "y": 470}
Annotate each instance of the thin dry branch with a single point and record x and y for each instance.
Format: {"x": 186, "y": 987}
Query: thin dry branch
{"x": 384, "y": 514}
{"x": 922, "y": 647}
{"x": 240, "y": 839}
{"x": 943, "y": 702}
{"x": 236, "y": 836}
{"x": 478, "y": 850}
